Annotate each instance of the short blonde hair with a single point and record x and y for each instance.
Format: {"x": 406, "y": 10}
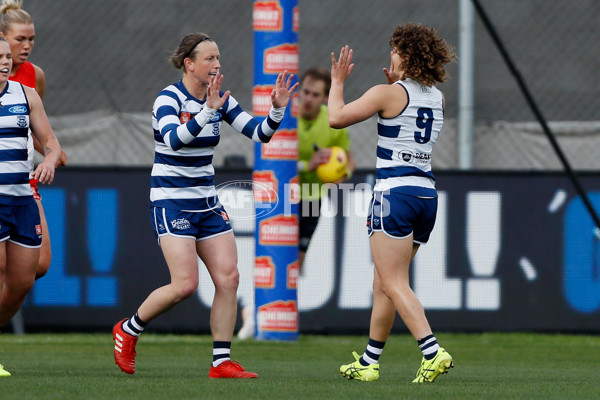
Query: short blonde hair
{"x": 12, "y": 13}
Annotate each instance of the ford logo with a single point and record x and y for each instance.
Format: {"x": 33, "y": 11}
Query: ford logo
{"x": 17, "y": 110}
{"x": 216, "y": 118}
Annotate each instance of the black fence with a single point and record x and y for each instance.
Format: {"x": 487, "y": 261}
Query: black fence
{"x": 510, "y": 252}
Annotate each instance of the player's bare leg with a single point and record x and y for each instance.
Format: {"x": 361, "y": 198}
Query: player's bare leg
{"x": 45, "y": 250}
{"x": 17, "y": 277}
{"x": 219, "y": 254}
{"x": 180, "y": 255}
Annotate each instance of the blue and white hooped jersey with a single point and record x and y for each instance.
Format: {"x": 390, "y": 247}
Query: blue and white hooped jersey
{"x": 183, "y": 174}
{"x": 406, "y": 142}
{"x": 14, "y": 130}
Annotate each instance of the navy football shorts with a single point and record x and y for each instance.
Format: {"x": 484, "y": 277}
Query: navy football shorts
{"x": 400, "y": 215}
{"x": 21, "y": 224}
{"x": 199, "y": 225}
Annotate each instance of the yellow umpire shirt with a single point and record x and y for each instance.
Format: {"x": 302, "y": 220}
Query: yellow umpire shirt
{"x": 316, "y": 133}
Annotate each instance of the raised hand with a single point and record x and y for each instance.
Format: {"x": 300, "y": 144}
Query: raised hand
{"x": 281, "y": 94}
{"x": 391, "y": 75}
{"x": 213, "y": 98}
{"x": 342, "y": 68}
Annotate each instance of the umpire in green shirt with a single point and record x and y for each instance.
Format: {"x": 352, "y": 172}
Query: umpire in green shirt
{"x": 315, "y": 139}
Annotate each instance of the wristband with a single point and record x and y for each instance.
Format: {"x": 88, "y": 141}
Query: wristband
{"x": 205, "y": 115}
{"x": 276, "y": 114}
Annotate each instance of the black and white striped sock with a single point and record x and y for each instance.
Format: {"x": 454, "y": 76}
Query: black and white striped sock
{"x": 429, "y": 346}
{"x": 372, "y": 352}
{"x": 134, "y": 325}
{"x": 221, "y": 353}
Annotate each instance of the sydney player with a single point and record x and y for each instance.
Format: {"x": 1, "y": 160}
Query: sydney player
{"x": 185, "y": 212}
{"x": 402, "y": 212}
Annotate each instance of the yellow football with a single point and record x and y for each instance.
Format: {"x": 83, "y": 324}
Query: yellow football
{"x": 335, "y": 168}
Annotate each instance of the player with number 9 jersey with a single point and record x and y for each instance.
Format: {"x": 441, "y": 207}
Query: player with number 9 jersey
{"x": 406, "y": 141}
{"x": 402, "y": 212}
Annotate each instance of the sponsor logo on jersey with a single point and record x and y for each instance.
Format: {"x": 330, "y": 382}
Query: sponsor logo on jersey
{"x": 406, "y": 156}
{"x": 38, "y": 229}
{"x": 17, "y": 110}
{"x": 216, "y": 118}
{"x": 420, "y": 158}
{"x": 225, "y": 216}
{"x": 184, "y": 117}
{"x": 22, "y": 121}
{"x": 180, "y": 223}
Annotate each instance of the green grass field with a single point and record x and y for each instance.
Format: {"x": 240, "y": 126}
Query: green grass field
{"x": 488, "y": 366}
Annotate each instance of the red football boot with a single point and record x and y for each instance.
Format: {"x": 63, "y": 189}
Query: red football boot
{"x": 230, "y": 369}
{"x": 124, "y": 348}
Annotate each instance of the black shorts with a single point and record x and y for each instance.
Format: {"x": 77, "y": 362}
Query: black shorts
{"x": 309, "y": 219}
